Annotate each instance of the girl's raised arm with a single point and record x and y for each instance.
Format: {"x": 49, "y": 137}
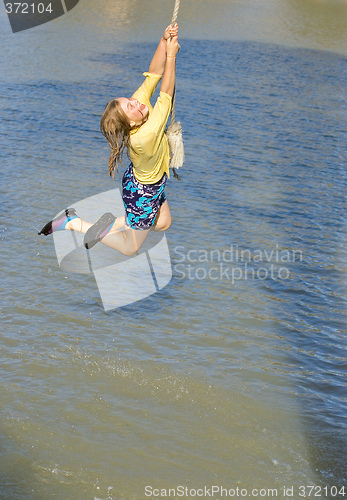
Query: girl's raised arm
{"x": 168, "y": 82}
{"x": 157, "y": 65}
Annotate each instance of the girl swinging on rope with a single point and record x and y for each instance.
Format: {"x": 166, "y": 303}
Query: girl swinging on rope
{"x": 134, "y": 125}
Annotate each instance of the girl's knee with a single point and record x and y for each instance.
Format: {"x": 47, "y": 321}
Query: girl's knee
{"x": 167, "y": 225}
{"x": 163, "y": 224}
{"x": 129, "y": 252}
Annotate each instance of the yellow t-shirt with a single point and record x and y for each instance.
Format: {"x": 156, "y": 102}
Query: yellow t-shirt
{"x": 149, "y": 149}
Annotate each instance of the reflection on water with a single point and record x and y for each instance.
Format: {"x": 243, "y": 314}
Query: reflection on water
{"x": 60, "y": 49}
{"x": 208, "y": 381}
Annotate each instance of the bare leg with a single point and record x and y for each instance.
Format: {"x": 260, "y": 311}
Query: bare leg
{"x": 78, "y": 225}
{"x": 126, "y": 242}
{"x": 82, "y": 226}
{"x": 119, "y": 223}
{"x": 163, "y": 218}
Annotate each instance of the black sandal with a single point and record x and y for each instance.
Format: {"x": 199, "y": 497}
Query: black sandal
{"x": 59, "y": 223}
{"x": 98, "y": 230}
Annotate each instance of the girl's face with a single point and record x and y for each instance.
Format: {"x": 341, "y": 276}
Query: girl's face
{"x": 135, "y": 111}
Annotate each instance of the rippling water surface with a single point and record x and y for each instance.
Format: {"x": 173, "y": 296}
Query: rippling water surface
{"x": 234, "y": 373}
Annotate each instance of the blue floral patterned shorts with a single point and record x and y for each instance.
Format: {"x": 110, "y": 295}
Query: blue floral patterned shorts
{"x": 141, "y": 201}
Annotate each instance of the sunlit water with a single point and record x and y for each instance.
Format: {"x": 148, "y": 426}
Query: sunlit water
{"x": 234, "y": 374}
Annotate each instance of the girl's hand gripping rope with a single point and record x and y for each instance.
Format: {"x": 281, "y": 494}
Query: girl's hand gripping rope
{"x": 172, "y": 47}
{"x": 171, "y": 31}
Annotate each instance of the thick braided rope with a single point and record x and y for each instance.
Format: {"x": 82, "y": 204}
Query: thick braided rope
{"x": 175, "y": 12}
{"x": 174, "y": 19}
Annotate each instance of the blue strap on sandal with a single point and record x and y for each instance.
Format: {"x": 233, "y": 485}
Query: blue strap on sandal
{"x": 59, "y": 223}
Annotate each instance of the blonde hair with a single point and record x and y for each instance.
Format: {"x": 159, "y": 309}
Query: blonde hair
{"x": 115, "y": 126}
